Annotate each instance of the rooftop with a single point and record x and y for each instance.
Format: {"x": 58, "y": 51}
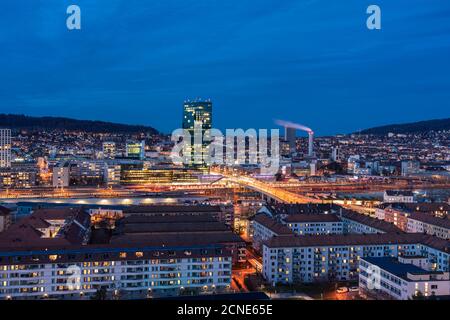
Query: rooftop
{"x": 311, "y": 217}
{"x": 397, "y": 193}
{"x": 430, "y": 219}
{"x": 176, "y": 239}
{"x": 272, "y": 225}
{"x": 393, "y": 266}
{"x": 292, "y": 241}
{"x": 29, "y": 231}
{"x": 171, "y": 209}
{"x": 371, "y": 222}
{"x": 312, "y": 208}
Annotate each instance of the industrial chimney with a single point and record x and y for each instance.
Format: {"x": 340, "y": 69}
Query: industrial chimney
{"x": 310, "y": 143}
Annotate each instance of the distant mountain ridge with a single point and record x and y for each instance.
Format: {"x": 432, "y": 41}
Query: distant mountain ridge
{"x": 413, "y": 127}
{"x": 15, "y": 121}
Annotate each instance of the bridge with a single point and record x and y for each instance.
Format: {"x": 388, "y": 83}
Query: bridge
{"x": 276, "y": 194}
{"x": 282, "y": 195}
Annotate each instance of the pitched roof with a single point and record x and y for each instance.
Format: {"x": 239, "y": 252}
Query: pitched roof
{"x": 284, "y": 208}
{"x": 371, "y": 222}
{"x": 310, "y": 217}
{"x": 177, "y": 239}
{"x": 272, "y": 225}
{"x": 430, "y": 219}
{"x": 171, "y": 209}
{"x": 357, "y": 240}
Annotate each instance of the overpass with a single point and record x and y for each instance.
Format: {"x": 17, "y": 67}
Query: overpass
{"x": 276, "y": 194}
{"x": 282, "y": 195}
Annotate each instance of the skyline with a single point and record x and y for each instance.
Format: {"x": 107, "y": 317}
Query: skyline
{"x": 151, "y": 57}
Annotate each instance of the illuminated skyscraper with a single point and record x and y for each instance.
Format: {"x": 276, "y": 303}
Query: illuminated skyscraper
{"x": 201, "y": 112}
{"x": 5, "y": 148}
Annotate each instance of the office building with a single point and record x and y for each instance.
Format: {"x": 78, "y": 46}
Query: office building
{"x": 290, "y": 137}
{"x": 5, "y": 148}
{"x": 159, "y": 175}
{"x": 135, "y": 150}
{"x": 201, "y": 112}
{"x": 112, "y": 174}
{"x": 410, "y": 168}
{"x": 61, "y": 175}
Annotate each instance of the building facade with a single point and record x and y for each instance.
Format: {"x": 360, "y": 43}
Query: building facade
{"x": 401, "y": 279}
{"x": 199, "y": 112}
{"x": 290, "y": 259}
{"x": 5, "y": 148}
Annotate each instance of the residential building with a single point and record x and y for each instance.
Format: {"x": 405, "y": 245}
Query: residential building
{"x": 426, "y": 223}
{"x": 52, "y": 254}
{"x": 356, "y": 223}
{"x": 294, "y": 259}
{"x": 314, "y": 224}
{"x": 401, "y": 279}
{"x": 398, "y": 196}
{"x": 264, "y": 228}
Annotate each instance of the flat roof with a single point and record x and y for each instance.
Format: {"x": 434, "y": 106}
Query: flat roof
{"x": 393, "y": 266}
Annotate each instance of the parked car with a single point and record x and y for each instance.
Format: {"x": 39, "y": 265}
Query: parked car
{"x": 354, "y": 289}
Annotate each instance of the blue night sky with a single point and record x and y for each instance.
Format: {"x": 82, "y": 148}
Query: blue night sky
{"x": 309, "y": 61}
